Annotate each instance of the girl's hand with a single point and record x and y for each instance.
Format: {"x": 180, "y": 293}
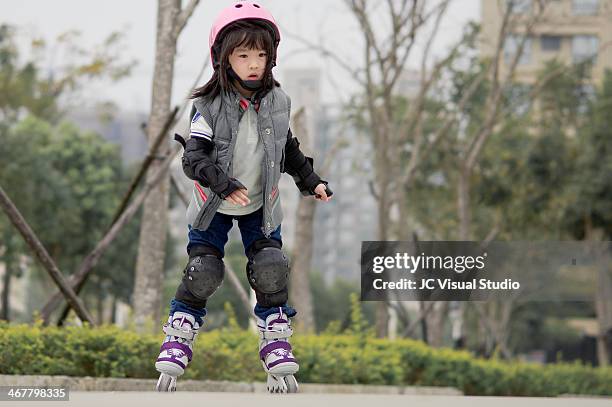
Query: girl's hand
{"x": 239, "y": 197}
{"x": 320, "y": 194}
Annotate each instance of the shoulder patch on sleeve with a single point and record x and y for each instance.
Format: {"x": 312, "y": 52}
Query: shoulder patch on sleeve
{"x": 200, "y": 128}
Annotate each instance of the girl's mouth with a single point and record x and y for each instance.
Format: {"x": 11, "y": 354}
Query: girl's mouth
{"x": 253, "y": 76}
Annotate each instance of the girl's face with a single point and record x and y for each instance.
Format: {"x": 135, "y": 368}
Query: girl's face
{"x": 249, "y": 64}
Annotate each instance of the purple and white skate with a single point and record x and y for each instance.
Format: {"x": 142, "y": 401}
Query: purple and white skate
{"x": 176, "y": 350}
{"x": 276, "y": 354}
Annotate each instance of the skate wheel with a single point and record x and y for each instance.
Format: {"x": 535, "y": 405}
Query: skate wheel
{"x": 166, "y": 383}
{"x": 276, "y": 384}
{"x": 291, "y": 383}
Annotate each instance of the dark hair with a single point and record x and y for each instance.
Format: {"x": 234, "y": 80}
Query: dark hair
{"x": 250, "y": 34}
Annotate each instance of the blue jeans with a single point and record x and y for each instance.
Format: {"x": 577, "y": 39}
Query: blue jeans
{"x": 216, "y": 235}
{"x": 220, "y": 225}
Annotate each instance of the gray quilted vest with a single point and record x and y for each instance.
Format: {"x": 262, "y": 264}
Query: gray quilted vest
{"x": 223, "y": 115}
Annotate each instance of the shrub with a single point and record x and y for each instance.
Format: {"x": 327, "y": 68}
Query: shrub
{"x": 231, "y": 354}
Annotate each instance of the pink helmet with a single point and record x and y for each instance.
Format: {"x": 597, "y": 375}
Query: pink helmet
{"x": 242, "y": 10}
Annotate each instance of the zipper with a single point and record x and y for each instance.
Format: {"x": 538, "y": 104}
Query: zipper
{"x": 282, "y": 162}
{"x": 267, "y": 213}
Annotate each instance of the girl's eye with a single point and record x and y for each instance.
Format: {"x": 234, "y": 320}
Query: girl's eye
{"x": 262, "y": 55}
{"x": 242, "y": 55}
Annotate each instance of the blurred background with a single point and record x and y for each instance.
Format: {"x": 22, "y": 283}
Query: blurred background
{"x": 440, "y": 120}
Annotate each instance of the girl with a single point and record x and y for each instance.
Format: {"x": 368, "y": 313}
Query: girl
{"x": 239, "y": 145}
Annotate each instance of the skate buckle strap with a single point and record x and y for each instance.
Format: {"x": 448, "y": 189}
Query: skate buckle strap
{"x": 285, "y": 333}
{"x": 172, "y": 347}
{"x": 272, "y": 346}
{"x": 185, "y": 333}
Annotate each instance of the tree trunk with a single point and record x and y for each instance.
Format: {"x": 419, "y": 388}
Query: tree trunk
{"x": 154, "y": 226}
{"x": 603, "y": 309}
{"x": 6, "y": 290}
{"x": 100, "y": 307}
{"x": 463, "y": 205}
{"x": 603, "y": 292}
{"x": 435, "y": 324}
{"x": 6, "y": 258}
{"x": 299, "y": 287}
{"x": 424, "y": 333}
{"x": 382, "y": 165}
{"x": 113, "y": 317}
{"x": 300, "y": 269}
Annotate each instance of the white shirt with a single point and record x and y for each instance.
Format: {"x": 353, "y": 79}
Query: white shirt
{"x": 247, "y": 159}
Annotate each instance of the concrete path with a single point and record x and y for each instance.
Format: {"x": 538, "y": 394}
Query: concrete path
{"x": 152, "y": 399}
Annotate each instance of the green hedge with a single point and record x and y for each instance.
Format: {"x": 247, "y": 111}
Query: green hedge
{"x": 232, "y": 355}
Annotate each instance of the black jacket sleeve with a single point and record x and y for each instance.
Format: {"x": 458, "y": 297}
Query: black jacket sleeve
{"x": 300, "y": 167}
{"x": 199, "y": 165}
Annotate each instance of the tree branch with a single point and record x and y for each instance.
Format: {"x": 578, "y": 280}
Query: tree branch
{"x": 179, "y": 190}
{"x": 494, "y": 99}
{"x": 359, "y": 9}
{"x": 422, "y": 315}
{"x": 373, "y": 190}
{"x": 146, "y": 163}
{"x": 493, "y": 330}
{"x": 43, "y": 256}
{"x": 353, "y": 73}
{"x": 449, "y": 120}
{"x": 183, "y": 17}
{"x": 434, "y": 34}
{"x": 242, "y": 294}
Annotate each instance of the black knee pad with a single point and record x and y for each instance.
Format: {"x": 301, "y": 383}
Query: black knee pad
{"x": 202, "y": 276}
{"x": 268, "y": 272}
{"x": 273, "y": 300}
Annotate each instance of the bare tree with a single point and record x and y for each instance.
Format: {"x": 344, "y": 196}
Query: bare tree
{"x": 302, "y": 257}
{"x": 300, "y": 293}
{"x": 496, "y": 316}
{"x": 385, "y": 55}
{"x": 493, "y": 107}
{"x": 385, "y": 58}
{"x": 402, "y": 145}
{"x": 603, "y": 292}
{"x": 171, "y": 20}
{"x": 11, "y": 262}
{"x": 421, "y": 143}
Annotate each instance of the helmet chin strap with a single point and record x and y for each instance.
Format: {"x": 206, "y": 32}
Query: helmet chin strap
{"x": 253, "y": 86}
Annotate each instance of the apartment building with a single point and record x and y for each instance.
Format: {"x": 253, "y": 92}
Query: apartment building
{"x": 570, "y": 30}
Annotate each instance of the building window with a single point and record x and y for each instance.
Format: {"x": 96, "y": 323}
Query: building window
{"x": 584, "y": 47}
{"x": 511, "y": 47}
{"x": 585, "y": 7}
{"x": 550, "y": 43}
{"x": 518, "y": 6}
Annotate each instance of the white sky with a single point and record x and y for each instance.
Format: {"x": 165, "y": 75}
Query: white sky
{"x": 322, "y": 21}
